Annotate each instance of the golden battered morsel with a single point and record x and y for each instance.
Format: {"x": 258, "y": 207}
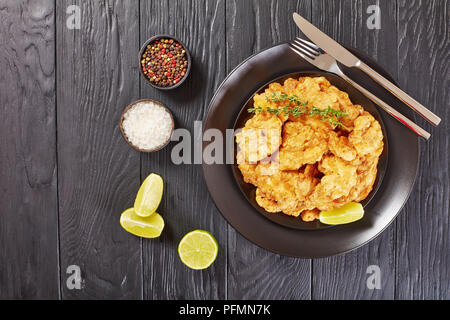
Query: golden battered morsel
{"x": 301, "y": 145}
{"x": 268, "y": 204}
{"x": 366, "y": 135}
{"x": 341, "y": 147}
{"x": 301, "y": 164}
{"x": 260, "y": 137}
{"x": 310, "y": 215}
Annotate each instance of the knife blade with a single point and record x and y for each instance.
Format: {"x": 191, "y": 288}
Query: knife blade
{"x": 326, "y": 43}
{"x": 345, "y": 57}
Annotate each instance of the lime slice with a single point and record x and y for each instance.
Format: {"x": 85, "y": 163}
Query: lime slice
{"x": 149, "y": 196}
{"x": 348, "y": 213}
{"x": 150, "y": 227}
{"x": 198, "y": 249}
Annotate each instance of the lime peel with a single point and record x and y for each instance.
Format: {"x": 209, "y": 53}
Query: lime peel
{"x": 148, "y": 227}
{"x": 348, "y": 213}
{"x": 198, "y": 249}
{"x": 149, "y": 195}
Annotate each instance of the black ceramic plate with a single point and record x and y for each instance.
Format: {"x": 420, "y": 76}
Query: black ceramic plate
{"x": 356, "y": 97}
{"x": 402, "y": 146}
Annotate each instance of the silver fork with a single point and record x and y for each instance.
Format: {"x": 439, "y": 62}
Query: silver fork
{"x": 312, "y": 53}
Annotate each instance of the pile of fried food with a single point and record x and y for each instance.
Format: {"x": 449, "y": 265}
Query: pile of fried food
{"x": 301, "y": 162}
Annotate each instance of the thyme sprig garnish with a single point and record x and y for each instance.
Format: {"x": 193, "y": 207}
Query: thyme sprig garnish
{"x": 298, "y": 107}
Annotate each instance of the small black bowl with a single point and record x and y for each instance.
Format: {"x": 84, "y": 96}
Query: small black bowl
{"x": 188, "y": 56}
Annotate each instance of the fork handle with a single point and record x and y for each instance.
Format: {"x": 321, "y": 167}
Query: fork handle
{"x": 397, "y": 115}
{"x": 400, "y": 94}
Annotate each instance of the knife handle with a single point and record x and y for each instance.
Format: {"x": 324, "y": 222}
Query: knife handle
{"x": 397, "y": 115}
{"x": 400, "y": 94}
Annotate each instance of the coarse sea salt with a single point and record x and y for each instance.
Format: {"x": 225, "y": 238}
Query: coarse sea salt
{"x": 147, "y": 125}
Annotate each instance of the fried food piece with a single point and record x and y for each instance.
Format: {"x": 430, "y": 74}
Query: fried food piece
{"x": 344, "y": 104}
{"x": 248, "y": 171}
{"x": 352, "y": 111}
{"x": 290, "y": 86}
{"x": 262, "y": 101}
{"x": 311, "y": 171}
{"x": 317, "y": 92}
{"x": 260, "y": 137}
{"x": 315, "y": 123}
{"x": 367, "y": 137}
{"x": 301, "y": 145}
{"x": 313, "y": 166}
{"x": 341, "y": 147}
{"x": 339, "y": 178}
{"x": 321, "y": 94}
{"x": 367, "y": 174}
{"x": 268, "y": 204}
{"x": 310, "y": 215}
{"x": 280, "y": 190}
{"x": 265, "y": 100}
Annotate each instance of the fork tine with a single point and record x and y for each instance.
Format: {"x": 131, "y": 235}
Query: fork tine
{"x": 310, "y": 44}
{"x": 307, "y": 48}
{"x": 301, "y": 52}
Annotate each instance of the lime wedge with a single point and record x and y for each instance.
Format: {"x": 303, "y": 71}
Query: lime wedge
{"x": 150, "y": 227}
{"x": 198, "y": 249}
{"x": 149, "y": 196}
{"x": 348, "y": 213}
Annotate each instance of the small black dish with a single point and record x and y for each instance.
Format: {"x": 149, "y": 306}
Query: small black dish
{"x": 188, "y": 56}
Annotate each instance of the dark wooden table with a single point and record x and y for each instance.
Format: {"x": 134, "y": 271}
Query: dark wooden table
{"x": 66, "y": 174}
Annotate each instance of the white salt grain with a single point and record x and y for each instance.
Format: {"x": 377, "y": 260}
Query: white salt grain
{"x": 147, "y": 125}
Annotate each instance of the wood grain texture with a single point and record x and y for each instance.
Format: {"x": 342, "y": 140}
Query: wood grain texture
{"x": 64, "y": 163}
{"x": 28, "y": 201}
{"x": 97, "y": 76}
{"x": 255, "y": 273}
{"x": 344, "y": 276}
{"x": 186, "y": 204}
{"x": 423, "y": 235}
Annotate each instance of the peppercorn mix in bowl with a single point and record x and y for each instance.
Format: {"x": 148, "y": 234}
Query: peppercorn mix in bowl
{"x": 164, "y": 62}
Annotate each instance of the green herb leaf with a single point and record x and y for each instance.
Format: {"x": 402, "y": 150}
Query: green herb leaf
{"x": 329, "y": 114}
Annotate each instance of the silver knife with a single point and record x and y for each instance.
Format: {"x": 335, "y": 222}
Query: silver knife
{"x": 345, "y": 57}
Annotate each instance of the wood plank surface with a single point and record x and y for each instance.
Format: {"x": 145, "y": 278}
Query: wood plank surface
{"x": 186, "y": 204}
{"x": 28, "y": 179}
{"x": 345, "y": 276}
{"x": 423, "y": 235}
{"x": 97, "y": 76}
{"x": 255, "y": 273}
{"x": 66, "y": 174}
